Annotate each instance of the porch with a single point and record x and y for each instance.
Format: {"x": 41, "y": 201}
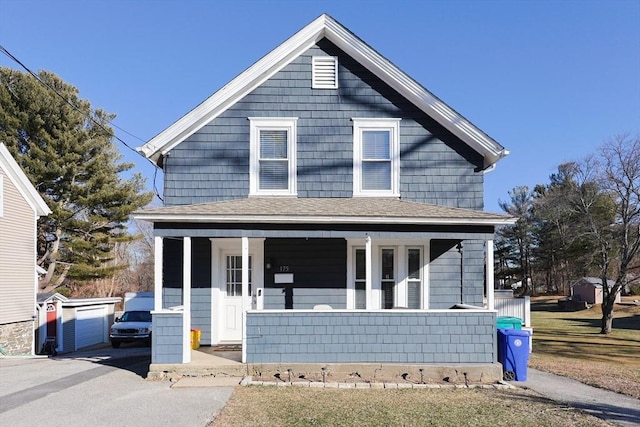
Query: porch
{"x": 402, "y": 282}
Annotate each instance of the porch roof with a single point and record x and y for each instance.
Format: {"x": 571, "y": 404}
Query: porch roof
{"x": 372, "y": 210}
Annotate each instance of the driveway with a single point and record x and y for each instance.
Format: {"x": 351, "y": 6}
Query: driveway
{"x": 101, "y": 387}
{"x": 613, "y": 407}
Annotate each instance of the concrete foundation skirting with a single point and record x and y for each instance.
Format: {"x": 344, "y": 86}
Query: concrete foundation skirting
{"x": 463, "y": 374}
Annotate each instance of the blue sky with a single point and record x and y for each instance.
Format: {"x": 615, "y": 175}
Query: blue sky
{"x": 549, "y": 80}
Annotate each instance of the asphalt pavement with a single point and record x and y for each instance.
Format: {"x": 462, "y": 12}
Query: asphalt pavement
{"x": 610, "y": 406}
{"x": 104, "y": 387}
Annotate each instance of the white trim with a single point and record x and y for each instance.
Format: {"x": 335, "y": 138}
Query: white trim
{"x": 368, "y": 286}
{"x": 361, "y": 125}
{"x": 22, "y": 183}
{"x": 426, "y": 263}
{"x": 324, "y": 72}
{"x": 277, "y": 59}
{"x": 489, "y": 274}
{"x": 319, "y": 219}
{"x": 402, "y": 286}
{"x": 186, "y": 300}
{"x": 289, "y": 124}
{"x": 378, "y": 310}
{"x": 157, "y": 272}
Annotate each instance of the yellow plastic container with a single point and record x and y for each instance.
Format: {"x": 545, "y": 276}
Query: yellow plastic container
{"x": 195, "y": 338}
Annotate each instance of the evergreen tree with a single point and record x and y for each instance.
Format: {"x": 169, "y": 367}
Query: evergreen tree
{"x": 65, "y": 147}
{"x": 519, "y": 237}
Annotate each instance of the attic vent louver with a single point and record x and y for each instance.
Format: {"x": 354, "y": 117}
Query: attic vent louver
{"x": 325, "y": 72}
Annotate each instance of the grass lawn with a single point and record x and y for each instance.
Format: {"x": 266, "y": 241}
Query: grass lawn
{"x": 295, "y": 406}
{"x": 569, "y": 344}
{"x": 565, "y": 343}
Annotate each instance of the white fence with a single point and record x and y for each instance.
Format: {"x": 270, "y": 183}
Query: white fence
{"x": 514, "y": 307}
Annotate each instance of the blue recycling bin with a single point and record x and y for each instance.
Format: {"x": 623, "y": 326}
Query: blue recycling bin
{"x": 513, "y": 353}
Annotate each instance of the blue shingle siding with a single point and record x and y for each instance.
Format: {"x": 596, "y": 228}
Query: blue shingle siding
{"x": 445, "y": 274}
{"x": 213, "y": 164}
{"x": 167, "y": 338}
{"x": 373, "y": 337}
{"x": 319, "y": 270}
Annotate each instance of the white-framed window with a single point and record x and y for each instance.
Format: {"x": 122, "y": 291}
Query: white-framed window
{"x": 360, "y": 277}
{"x": 414, "y": 278}
{"x": 387, "y": 277}
{"x": 273, "y": 156}
{"x": 376, "y": 157}
{"x": 324, "y": 72}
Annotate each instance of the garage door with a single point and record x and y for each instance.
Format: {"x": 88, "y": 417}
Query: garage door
{"x": 90, "y": 326}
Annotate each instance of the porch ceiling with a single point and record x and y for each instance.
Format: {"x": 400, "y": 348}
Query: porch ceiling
{"x": 278, "y": 210}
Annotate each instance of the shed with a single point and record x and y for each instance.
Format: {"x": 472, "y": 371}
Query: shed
{"x": 589, "y": 289}
{"x": 70, "y": 324}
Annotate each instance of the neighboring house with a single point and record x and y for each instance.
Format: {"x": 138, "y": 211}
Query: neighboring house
{"x": 20, "y": 208}
{"x": 589, "y": 290}
{"x": 69, "y": 324}
{"x": 325, "y": 207}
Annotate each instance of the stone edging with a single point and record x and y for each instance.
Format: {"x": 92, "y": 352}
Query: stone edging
{"x": 248, "y": 380}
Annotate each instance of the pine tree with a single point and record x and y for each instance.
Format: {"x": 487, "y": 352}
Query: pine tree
{"x": 65, "y": 147}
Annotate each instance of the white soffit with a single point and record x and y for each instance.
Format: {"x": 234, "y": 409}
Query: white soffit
{"x": 270, "y": 64}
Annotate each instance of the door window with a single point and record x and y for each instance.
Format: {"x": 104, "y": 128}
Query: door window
{"x": 234, "y": 275}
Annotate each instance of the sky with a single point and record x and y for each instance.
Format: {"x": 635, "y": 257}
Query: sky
{"x": 549, "y": 80}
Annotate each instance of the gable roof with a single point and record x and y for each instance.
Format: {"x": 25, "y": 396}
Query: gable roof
{"x": 323, "y": 27}
{"x": 22, "y": 183}
{"x": 595, "y": 281}
{"x": 356, "y": 210}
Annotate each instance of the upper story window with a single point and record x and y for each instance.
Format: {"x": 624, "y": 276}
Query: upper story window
{"x": 273, "y": 156}
{"x": 376, "y": 157}
{"x": 324, "y": 72}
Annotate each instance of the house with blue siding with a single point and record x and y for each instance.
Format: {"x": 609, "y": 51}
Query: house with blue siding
{"x": 324, "y": 207}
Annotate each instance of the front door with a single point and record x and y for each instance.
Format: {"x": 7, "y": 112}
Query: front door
{"x": 231, "y": 316}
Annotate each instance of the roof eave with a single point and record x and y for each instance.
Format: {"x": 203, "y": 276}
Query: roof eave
{"x": 270, "y": 219}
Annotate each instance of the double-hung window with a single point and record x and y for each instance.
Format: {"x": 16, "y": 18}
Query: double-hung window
{"x": 273, "y": 156}
{"x": 376, "y": 163}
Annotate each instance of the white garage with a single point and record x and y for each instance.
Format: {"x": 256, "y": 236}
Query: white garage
{"x": 91, "y": 328}
{"x": 70, "y": 324}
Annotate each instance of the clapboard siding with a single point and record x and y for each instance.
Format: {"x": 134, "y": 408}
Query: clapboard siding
{"x": 17, "y": 255}
{"x": 213, "y": 164}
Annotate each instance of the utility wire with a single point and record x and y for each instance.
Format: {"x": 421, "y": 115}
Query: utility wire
{"x": 45, "y": 84}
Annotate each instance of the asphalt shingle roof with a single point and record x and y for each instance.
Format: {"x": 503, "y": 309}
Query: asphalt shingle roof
{"x": 264, "y": 209}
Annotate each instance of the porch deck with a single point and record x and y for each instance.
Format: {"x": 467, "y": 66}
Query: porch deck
{"x": 206, "y": 362}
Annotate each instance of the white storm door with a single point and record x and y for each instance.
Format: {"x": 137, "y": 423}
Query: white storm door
{"x": 231, "y": 316}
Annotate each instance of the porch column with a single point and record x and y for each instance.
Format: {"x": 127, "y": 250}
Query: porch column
{"x": 246, "y": 299}
{"x": 368, "y": 280}
{"x": 245, "y": 274}
{"x": 157, "y": 273}
{"x": 186, "y": 300}
{"x": 489, "y": 275}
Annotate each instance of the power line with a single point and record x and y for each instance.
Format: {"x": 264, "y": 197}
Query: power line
{"x": 64, "y": 98}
